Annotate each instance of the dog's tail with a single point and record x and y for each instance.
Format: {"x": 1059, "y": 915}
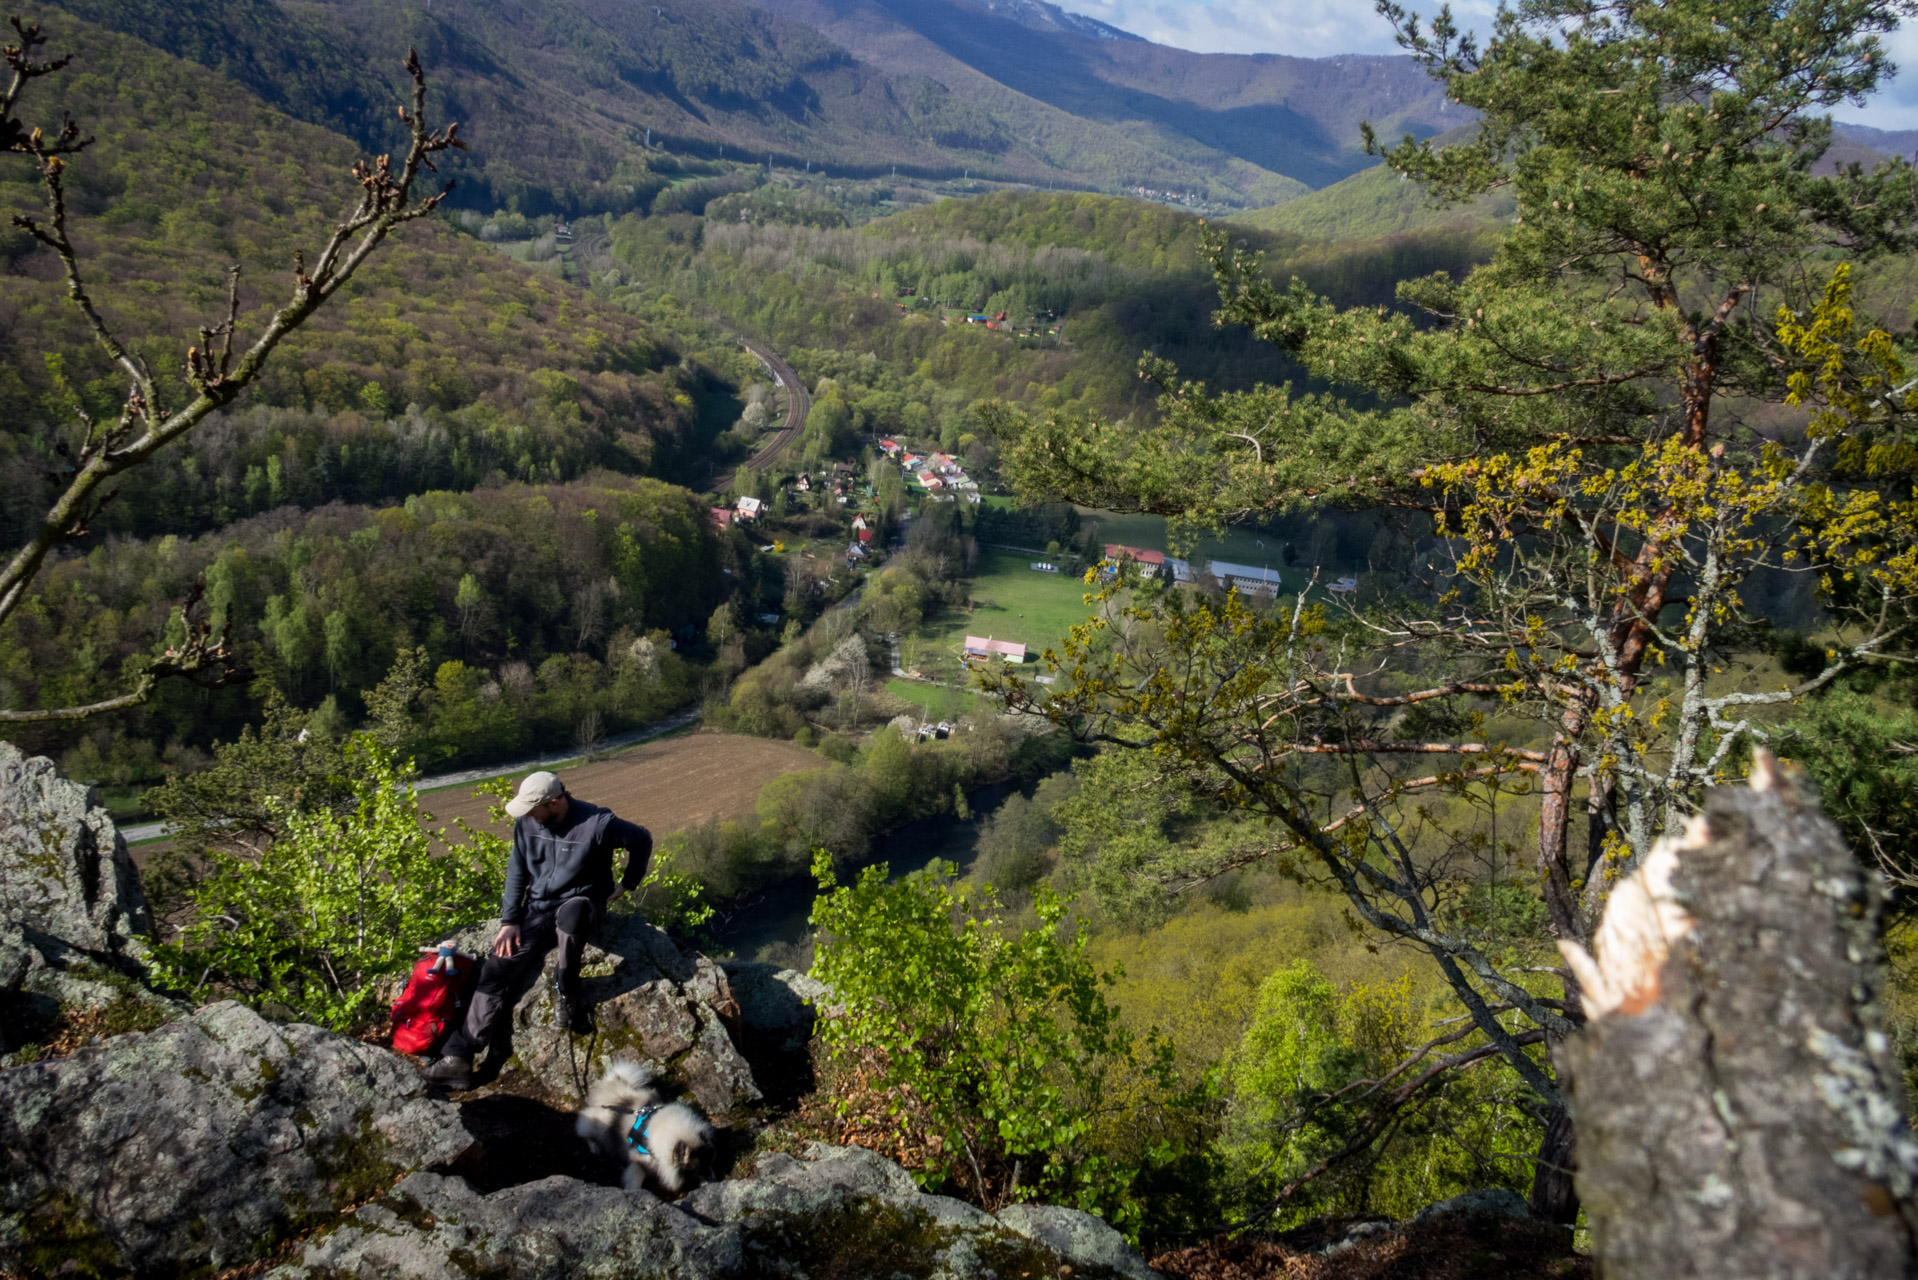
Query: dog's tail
{"x": 633, "y": 1074}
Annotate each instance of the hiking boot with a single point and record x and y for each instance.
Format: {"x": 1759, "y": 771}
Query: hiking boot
{"x": 451, "y": 1073}
{"x": 569, "y": 1005}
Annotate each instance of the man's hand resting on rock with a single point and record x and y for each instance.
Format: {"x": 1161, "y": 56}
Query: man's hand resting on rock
{"x": 507, "y": 942}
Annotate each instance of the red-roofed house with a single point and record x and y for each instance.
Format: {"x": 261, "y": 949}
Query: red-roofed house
{"x": 721, "y": 516}
{"x": 1149, "y": 562}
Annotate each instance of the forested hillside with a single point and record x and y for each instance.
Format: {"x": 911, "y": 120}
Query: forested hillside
{"x": 445, "y": 364}
{"x": 444, "y": 368}
{"x": 598, "y": 102}
{"x": 1087, "y": 284}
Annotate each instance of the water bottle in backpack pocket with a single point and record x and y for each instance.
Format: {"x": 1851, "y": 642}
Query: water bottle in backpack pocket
{"x": 435, "y": 999}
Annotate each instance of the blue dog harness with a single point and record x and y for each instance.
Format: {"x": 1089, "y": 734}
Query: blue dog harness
{"x": 636, "y": 1136}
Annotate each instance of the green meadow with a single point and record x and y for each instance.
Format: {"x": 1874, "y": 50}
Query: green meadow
{"x": 1011, "y": 601}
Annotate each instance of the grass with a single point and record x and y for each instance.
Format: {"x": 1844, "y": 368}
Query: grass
{"x": 1013, "y": 602}
{"x": 938, "y": 701}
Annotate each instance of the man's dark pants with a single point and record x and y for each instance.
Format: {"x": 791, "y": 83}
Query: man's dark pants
{"x": 504, "y": 980}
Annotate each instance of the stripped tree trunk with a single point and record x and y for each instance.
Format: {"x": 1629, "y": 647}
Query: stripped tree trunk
{"x": 1739, "y": 1113}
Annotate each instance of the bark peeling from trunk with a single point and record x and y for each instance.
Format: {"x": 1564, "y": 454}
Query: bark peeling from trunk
{"x": 1738, "y": 1110}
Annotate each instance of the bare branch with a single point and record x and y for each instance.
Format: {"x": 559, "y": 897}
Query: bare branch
{"x": 217, "y": 376}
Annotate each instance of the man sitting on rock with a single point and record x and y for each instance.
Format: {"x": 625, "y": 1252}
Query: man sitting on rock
{"x": 559, "y": 880}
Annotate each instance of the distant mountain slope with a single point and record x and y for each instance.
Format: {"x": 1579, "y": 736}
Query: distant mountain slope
{"x": 504, "y": 368}
{"x": 1378, "y": 202}
{"x": 1295, "y": 116}
{"x": 570, "y": 92}
{"x": 1041, "y": 16}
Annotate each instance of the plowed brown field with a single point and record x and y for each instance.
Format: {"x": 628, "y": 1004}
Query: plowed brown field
{"x": 666, "y": 786}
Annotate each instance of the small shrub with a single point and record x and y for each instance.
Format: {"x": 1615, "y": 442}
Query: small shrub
{"x": 336, "y": 902}
{"x": 988, "y": 1060}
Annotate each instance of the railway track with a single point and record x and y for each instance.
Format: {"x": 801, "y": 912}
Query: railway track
{"x": 798, "y": 405}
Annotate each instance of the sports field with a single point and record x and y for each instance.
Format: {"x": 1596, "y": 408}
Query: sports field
{"x": 665, "y": 786}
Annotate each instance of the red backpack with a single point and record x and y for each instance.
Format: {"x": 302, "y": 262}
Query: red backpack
{"x": 434, "y": 1001}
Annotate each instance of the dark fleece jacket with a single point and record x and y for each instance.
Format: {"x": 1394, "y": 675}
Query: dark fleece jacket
{"x": 573, "y": 857}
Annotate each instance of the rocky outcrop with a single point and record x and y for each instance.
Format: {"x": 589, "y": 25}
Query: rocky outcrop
{"x": 73, "y": 922}
{"x": 198, "y": 1145}
{"x": 836, "y": 1211}
{"x": 650, "y": 1000}
{"x": 64, "y": 868}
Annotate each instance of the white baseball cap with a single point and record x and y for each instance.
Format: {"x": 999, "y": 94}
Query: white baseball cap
{"x": 536, "y": 790}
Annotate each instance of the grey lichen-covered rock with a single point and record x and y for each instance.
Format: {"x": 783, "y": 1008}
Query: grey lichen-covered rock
{"x": 431, "y": 1227}
{"x": 1492, "y": 1202}
{"x": 199, "y": 1145}
{"x": 650, "y": 1000}
{"x": 73, "y": 921}
{"x": 64, "y": 868}
{"x": 1092, "y": 1245}
{"x": 837, "y": 1211}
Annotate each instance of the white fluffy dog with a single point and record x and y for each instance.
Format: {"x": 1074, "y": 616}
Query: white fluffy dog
{"x": 665, "y": 1143}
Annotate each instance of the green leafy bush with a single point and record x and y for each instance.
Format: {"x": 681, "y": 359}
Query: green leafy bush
{"x": 336, "y": 902}
{"x": 988, "y": 1060}
{"x": 1301, "y": 1091}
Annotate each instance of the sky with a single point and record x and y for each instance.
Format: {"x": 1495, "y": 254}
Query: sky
{"x": 1320, "y": 28}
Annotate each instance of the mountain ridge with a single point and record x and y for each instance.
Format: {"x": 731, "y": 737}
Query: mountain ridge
{"x": 588, "y": 95}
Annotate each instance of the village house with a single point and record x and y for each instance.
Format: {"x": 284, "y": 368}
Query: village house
{"x": 721, "y": 516}
{"x": 1150, "y": 562}
{"x": 749, "y": 508}
{"x": 986, "y": 647}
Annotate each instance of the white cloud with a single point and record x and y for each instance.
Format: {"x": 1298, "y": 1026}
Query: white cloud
{"x": 1894, "y": 106}
{"x": 1321, "y": 28}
